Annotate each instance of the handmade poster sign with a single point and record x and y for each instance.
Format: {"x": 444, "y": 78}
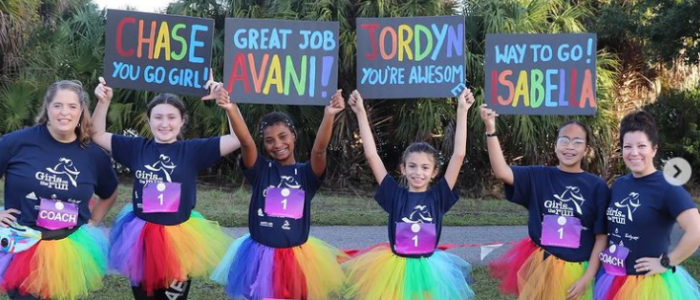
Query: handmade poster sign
{"x": 541, "y": 74}
{"x": 281, "y": 62}
{"x": 158, "y": 52}
{"x": 421, "y": 57}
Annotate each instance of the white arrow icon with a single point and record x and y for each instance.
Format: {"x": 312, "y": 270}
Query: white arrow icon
{"x": 677, "y": 171}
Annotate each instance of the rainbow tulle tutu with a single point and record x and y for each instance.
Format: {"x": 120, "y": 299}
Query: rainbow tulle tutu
{"x": 666, "y": 286}
{"x": 524, "y": 272}
{"x": 153, "y": 255}
{"x": 380, "y": 274}
{"x": 255, "y": 271}
{"x": 68, "y": 268}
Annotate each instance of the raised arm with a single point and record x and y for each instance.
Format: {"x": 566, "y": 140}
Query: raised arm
{"x": 99, "y": 133}
{"x": 240, "y": 130}
{"x": 323, "y": 136}
{"x": 375, "y": 162}
{"x": 498, "y": 163}
{"x": 228, "y": 143}
{"x": 464, "y": 102}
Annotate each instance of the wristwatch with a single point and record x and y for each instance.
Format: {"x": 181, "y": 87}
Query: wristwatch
{"x": 666, "y": 262}
{"x": 495, "y": 133}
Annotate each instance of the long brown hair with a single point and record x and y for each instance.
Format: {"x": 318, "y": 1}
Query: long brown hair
{"x": 84, "y": 125}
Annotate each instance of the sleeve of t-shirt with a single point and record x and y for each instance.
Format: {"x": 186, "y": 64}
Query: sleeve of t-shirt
{"x": 251, "y": 174}
{"x": 8, "y": 145}
{"x": 106, "y": 177}
{"x": 602, "y": 198}
{"x": 386, "y": 192}
{"x": 204, "y": 152}
{"x": 678, "y": 200}
{"x": 7, "y": 149}
{"x": 519, "y": 192}
{"x": 447, "y": 197}
{"x": 125, "y": 149}
{"x": 310, "y": 181}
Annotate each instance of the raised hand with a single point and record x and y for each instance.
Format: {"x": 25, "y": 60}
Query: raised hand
{"x": 216, "y": 89}
{"x": 337, "y": 103}
{"x": 466, "y": 98}
{"x": 103, "y": 93}
{"x": 489, "y": 117}
{"x": 356, "y": 103}
{"x": 224, "y": 101}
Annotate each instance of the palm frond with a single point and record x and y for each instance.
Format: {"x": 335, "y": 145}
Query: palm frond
{"x": 17, "y": 106}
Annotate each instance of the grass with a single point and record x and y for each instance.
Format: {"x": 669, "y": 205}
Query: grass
{"x": 229, "y": 207}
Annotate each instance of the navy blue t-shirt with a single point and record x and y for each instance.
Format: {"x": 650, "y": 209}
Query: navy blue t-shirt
{"x": 176, "y": 162}
{"x": 414, "y": 207}
{"x": 546, "y": 190}
{"x": 642, "y": 213}
{"x": 35, "y": 165}
{"x": 272, "y": 231}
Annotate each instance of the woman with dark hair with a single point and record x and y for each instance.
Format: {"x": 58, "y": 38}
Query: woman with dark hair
{"x": 279, "y": 259}
{"x": 643, "y": 209}
{"x": 51, "y": 171}
{"x": 158, "y": 240}
{"x": 566, "y": 219}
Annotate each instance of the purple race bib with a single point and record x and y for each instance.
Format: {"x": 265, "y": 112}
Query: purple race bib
{"x": 161, "y": 197}
{"x": 56, "y": 214}
{"x": 561, "y": 231}
{"x": 613, "y": 260}
{"x": 418, "y": 238}
{"x": 285, "y": 202}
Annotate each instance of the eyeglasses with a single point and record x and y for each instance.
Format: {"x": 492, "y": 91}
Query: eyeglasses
{"x": 565, "y": 141}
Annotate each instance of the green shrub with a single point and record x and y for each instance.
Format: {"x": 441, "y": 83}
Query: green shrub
{"x": 677, "y": 114}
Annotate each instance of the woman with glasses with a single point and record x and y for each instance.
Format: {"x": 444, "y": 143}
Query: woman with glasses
{"x": 566, "y": 219}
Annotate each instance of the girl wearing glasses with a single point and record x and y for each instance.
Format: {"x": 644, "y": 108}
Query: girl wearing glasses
{"x": 566, "y": 219}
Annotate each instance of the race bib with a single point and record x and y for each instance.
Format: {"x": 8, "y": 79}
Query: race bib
{"x": 161, "y": 197}
{"x": 561, "y": 231}
{"x": 418, "y": 238}
{"x": 613, "y": 260}
{"x": 56, "y": 214}
{"x": 285, "y": 202}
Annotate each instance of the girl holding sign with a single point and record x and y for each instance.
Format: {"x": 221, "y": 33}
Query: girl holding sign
{"x": 410, "y": 267}
{"x": 158, "y": 241}
{"x": 279, "y": 259}
{"x": 566, "y": 222}
{"x": 642, "y": 213}
{"x": 51, "y": 171}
